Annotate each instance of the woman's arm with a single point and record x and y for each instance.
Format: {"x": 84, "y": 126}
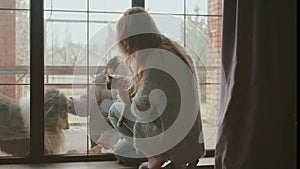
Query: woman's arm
{"x": 78, "y": 104}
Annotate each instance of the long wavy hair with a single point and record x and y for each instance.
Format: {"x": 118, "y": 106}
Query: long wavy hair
{"x": 136, "y": 30}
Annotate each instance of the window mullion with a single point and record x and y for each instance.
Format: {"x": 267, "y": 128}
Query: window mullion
{"x": 140, "y": 3}
{"x": 36, "y": 81}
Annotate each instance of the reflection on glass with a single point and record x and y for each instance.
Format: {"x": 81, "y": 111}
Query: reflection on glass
{"x": 14, "y": 120}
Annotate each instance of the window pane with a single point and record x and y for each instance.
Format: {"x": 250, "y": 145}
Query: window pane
{"x": 14, "y": 120}
{"x": 71, "y": 65}
{"x": 66, "y": 70}
{"x": 76, "y": 138}
{"x": 110, "y": 5}
{"x": 79, "y": 44}
{"x": 70, "y": 130}
{"x": 197, "y": 37}
{"x": 165, "y": 6}
{"x": 85, "y": 128}
{"x": 14, "y": 79}
{"x": 165, "y": 22}
{"x": 102, "y": 41}
{"x": 197, "y": 7}
{"x": 66, "y": 63}
{"x": 204, "y": 7}
{"x": 15, "y": 4}
{"x": 65, "y": 5}
{"x": 203, "y": 42}
{"x": 65, "y": 39}
{"x": 14, "y": 47}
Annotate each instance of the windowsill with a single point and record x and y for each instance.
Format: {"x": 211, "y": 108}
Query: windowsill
{"x": 206, "y": 162}
{"x": 90, "y": 165}
{"x": 76, "y": 137}
{"x": 80, "y": 133}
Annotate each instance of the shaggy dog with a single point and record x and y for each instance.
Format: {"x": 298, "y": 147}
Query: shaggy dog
{"x": 15, "y": 118}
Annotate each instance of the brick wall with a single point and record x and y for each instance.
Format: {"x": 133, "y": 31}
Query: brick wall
{"x": 213, "y": 61}
{"x": 7, "y": 46}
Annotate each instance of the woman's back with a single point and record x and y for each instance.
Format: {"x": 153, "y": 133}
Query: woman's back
{"x": 170, "y": 88}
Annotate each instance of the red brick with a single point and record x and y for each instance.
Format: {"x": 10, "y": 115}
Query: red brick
{"x": 7, "y": 43}
{"x": 213, "y": 58}
{"x": 2, "y": 41}
{"x": 11, "y": 52}
{"x": 8, "y": 3}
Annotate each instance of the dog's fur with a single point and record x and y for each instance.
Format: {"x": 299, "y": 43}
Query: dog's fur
{"x": 117, "y": 82}
{"x": 15, "y": 118}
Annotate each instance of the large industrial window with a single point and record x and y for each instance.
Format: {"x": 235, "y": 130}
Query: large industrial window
{"x": 70, "y": 48}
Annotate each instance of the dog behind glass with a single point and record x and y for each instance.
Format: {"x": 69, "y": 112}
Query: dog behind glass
{"x": 15, "y": 122}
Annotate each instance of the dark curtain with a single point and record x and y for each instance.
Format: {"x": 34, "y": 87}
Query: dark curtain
{"x": 257, "y": 120}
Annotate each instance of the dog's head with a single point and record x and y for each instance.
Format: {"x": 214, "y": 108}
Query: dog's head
{"x": 114, "y": 81}
{"x": 55, "y": 110}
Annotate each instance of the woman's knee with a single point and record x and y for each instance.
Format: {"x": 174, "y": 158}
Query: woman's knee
{"x": 115, "y": 109}
{"x": 125, "y": 152}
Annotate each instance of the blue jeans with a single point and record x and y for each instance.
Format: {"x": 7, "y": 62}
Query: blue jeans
{"x": 125, "y": 151}
{"x": 127, "y": 128}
